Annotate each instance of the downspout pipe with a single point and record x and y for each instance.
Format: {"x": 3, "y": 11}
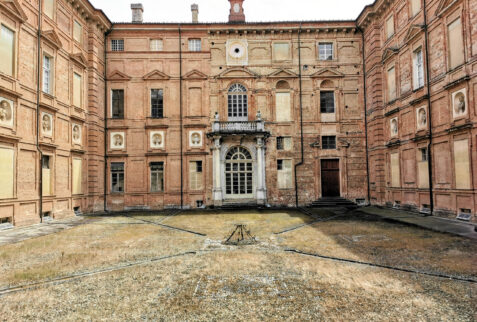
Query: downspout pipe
{"x": 105, "y": 179}
{"x": 365, "y": 93}
{"x": 301, "y": 118}
{"x": 38, "y": 76}
{"x": 429, "y": 111}
{"x": 180, "y": 116}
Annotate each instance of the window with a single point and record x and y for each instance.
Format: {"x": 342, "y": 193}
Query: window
{"x": 47, "y": 72}
{"x": 424, "y": 156}
{"x": 156, "y": 45}
{"x": 117, "y": 103}
{"x": 46, "y": 175}
{"x": 157, "y": 103}
{"x": 391, "y": 84}
{"x": 195, "y": 169}
{"x": 157, "y": 176}
{"x": 283, "y": 102}
{"x": 194, "y": 45}
{"x": 78, "y": 32}
{"x": 326, "y": 51}
{"x": 284, "y": 143}
{"x": 49, "y": 8}
{"x": 117, "y": 44}
{"x": 77, "y": 90}
{"x": 7, "y": 50}
{"x": 77, "y": 170}
{"x": 284, "y": 168}
{"x": 418, "y": 69}
{"x": 238, "y": 172}
{"x": 7, "y": 159}
{"x": 415, "y": 7}
{"x": 237, "y": 103}
{"x": 390, "y": 27}
{"x": 327, "y": 102}
{"x": 328, "y": 142}
{"x": 117, "y": 177}
{"x": 455, "y": 44}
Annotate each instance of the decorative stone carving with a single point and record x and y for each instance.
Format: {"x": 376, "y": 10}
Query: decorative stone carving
{"x": 195, "y": 139}
{"x": 76, "y": 133}
{"x": 157, "y": 140}
{"x": 237, "y": 52}
{"x": 6, "y": 112}
{"x": 117, "y": 141}
{"x": 459, "y": 103}
{"x": 421, "y": 117}
{"x": 394, "y": 127}
{"x": 47, "y": 124}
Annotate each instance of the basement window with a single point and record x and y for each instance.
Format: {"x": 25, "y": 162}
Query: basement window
{"x": 397, "y": 204}
{"x": 426, "y": 209}
{"x": 464, "y": 214}
{"x": 47, "y": 215}
{"x": 77, "y": 211}
{"x": 199, "y": 203}
{"x": 6, "y": 223}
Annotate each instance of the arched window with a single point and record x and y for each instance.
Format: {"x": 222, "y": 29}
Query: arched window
{"x": 237, "y": 103}
{"x": 238, "y": 172}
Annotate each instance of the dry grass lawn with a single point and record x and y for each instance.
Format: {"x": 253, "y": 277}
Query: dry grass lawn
{"x": 255, "y": 282}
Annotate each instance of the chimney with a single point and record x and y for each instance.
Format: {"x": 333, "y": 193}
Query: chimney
{"x": 237, "y": 14}
{"x": 195, "y": 13}
{"x": 137, "y": 10}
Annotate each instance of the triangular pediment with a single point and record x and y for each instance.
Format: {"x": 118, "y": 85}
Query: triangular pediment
{"x": 413, "y": 31}
{"x": 282, "y": 73}
{"x": 80, "y": 59}
{"x": 117, "y": 75}
{"x": 195, "y": 74}
{"x": 237, "y": 72}
{"x": 52, "y": 37}
{"x": 389, "y": 52}
{"x": 13, "y": 7}
{"x": 327, "y": 73}
{"x": 156, "y": 75}
{"x": 444, "y": 5}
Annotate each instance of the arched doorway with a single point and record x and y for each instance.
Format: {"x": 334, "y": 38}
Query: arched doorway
{"x": 238, "y": 173}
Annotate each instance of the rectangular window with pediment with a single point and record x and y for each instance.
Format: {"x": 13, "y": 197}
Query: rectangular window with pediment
{"x": 77, "y": 90}
{"x": 418, "y": 68}
{"x": 117, "y": 101}
{"x": 390, "y": 27}
{"x": 391, "y": 82}
{"x": 47, "y": 74}
{"x": 157, "y": 103}
{"x": 7, "y": 50}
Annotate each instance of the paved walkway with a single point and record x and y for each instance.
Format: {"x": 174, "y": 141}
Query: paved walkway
{"x": 438, "y": 224}
{"x": 18, "y": 234}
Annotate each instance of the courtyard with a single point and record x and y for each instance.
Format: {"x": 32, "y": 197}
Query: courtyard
{"x": 312, "y": 265}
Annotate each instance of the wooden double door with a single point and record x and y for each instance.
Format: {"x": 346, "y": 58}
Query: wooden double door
{"x": 330, "y": 178}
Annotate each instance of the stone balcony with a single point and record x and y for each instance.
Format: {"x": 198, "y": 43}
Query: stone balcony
{"x": 238, "y": 127}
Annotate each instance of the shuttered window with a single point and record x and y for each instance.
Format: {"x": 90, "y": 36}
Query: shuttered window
{"x": 284, "y": 168}
{"x": 7, "y": 50}
{"x": 77, "y": 170}
{"x": 195, "y": 175}
{"x": 49, "y": 8}
{"x": 456, "y": 44}
{"x": 78, "y": 32}
{"x": 391, "y": 84}
{"x": 6, "y": 173}
{"x": 390, "y": 27}
{"x": 415, "y": 7}
{"x": 47, "y": 73}
{"x": 77, "y": 90}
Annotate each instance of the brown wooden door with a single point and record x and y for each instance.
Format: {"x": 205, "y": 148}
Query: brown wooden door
{"x": 330, "y": 178}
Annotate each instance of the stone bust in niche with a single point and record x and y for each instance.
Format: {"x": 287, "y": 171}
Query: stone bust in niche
{"x": 157, "y": 139}
{"x": 459, "y": 103}
{"x": 394, "y": 127}
{"x": 118, "y": 140}
{"x": 46, "y": 123}
{"x": 76, "y": 133}
{"x": 5, "y": 111}
{"x": 195, "y": 138}
{"x": 422, "y": 117}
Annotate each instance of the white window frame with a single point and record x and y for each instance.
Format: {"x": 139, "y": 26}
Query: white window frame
{"x": 117, "y": 44}
{"x": 418, "y": 68}
{"x": 47, "y": 85}
{"x": 13, "y": 32}
{"x": 156, "y": 45}
{"x": 195, "y": 44}
{"x": 326, "y": 51}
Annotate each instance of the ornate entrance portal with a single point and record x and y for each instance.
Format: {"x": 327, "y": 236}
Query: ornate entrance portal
{"x": 238, "y": 173}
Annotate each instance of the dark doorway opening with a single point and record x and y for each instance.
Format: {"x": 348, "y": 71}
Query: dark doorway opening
{"x": 330, "y": 178}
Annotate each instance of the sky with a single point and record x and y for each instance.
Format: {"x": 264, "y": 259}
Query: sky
{"x": 218, "y": 10}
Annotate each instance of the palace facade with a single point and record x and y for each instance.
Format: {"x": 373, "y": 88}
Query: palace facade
{"x": 99, "y": 116}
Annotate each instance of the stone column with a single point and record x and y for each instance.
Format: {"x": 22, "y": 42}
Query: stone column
{"x": 217, "y": 190}
{"x": 261, "y": 178}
